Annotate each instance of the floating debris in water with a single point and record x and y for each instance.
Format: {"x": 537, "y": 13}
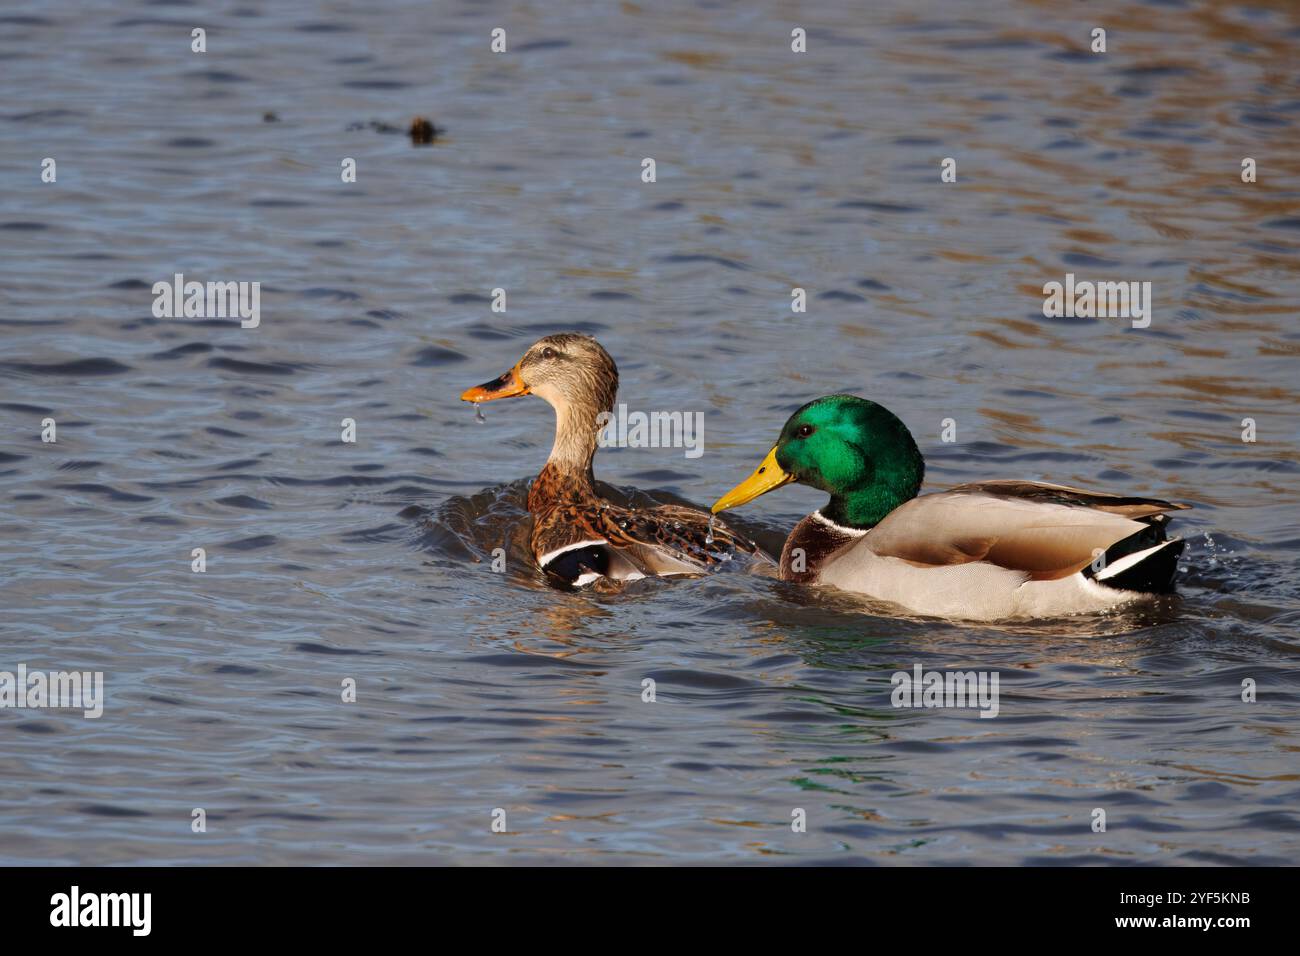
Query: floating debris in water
{"x": 422, "y": 131}
{"x": 269, "y": 117}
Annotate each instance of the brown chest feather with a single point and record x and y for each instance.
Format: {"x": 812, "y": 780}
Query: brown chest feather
{"x": 809, "y": 546}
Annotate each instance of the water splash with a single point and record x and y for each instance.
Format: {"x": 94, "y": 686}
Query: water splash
{"x": 708, "y": 536}
{"x": 1210, "y": 551}
{"x": 478, "y": 414}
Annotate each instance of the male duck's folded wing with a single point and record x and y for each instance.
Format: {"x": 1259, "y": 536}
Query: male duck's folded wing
{"x": 1128, "y": 506}
{"x": 1044, "y": 530}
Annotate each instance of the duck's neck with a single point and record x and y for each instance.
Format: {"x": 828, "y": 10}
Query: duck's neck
{"x": 576, "y": 433}
{"x": 895, "y": 480}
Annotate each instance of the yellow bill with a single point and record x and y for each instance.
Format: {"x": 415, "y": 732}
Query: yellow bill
{"x": 767, "y": 476}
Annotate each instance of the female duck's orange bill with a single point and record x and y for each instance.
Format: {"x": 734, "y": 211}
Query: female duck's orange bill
{"x": 768, "y": 476}
{"x": 507, "y": 386}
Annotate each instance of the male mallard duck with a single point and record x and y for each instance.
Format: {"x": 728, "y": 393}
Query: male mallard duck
{"x": 989, "y": 550}
{"x": 577, "y": 536}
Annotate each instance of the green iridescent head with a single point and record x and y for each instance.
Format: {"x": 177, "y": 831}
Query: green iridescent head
{"x": 858, "y": 452}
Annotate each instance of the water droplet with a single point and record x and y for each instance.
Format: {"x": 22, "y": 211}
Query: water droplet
{"x": 708, "y": 537}
{"x": 478, "y": 414}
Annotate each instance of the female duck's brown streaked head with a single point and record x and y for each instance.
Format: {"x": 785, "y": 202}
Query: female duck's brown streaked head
{"x": 576, "y": 376}
{"x": 565, "y": 369}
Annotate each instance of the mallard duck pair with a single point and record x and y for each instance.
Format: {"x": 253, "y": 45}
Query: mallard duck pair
{"x": 985, "y": 551}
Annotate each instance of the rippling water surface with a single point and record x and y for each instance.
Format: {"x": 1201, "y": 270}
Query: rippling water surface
{"x": 329, "y": 561}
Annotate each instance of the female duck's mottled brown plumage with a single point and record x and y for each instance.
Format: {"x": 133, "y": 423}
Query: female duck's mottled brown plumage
{"x": 578, "y": 537}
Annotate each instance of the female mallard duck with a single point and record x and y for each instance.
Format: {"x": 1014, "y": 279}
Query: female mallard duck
{"x": 984, "y": 551}
{"x": 577, "y": 536}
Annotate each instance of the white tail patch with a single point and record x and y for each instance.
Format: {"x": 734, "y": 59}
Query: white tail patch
{"x": 1121, "y": 565}
{"x": 550, "y": 556}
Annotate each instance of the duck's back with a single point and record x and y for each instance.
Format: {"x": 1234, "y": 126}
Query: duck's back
{"x": 579, "y": 537}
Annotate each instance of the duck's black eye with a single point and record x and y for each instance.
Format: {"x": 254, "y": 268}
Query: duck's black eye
{"x": 804, "y": 431}
{"x": 548, "y": 353}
